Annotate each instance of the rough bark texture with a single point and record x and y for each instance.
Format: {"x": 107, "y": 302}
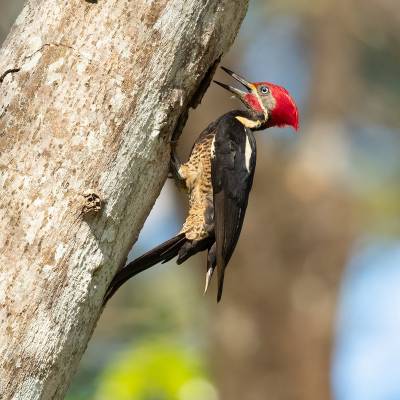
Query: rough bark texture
{"x": 90, "y": 93}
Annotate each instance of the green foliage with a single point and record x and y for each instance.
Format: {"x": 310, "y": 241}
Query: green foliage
{"x": 155, "y": 370}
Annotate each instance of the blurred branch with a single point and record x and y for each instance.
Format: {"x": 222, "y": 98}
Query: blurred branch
{"x": 275, "y": 334}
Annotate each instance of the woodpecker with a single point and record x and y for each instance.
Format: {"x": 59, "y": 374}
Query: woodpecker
{"x": 218, "y": 178}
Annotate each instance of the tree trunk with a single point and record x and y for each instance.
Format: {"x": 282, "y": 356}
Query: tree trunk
{"x": 90, "y": 95}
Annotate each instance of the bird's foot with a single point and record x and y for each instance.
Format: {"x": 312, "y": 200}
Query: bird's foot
{"x": 174, "y": 167}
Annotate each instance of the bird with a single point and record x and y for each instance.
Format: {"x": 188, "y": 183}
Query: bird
{"x": 218, "y": 178}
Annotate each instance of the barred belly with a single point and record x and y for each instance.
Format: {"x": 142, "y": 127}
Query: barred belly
{"x": 197, "y": 175}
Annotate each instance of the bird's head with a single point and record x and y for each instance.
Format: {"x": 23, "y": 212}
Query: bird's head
{"x": 268, "y": 104}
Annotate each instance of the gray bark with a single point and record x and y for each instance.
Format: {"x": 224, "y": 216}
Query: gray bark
{"x": 90, "y": 94}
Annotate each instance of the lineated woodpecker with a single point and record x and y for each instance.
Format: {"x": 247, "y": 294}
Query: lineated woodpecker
{"x": 218, "y": 177}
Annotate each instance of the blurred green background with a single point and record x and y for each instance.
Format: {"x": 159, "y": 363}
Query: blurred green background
{"x": 311, "y": 303}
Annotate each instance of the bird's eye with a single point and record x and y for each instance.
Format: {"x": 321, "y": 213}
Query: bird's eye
{"x": 264, "y": 90}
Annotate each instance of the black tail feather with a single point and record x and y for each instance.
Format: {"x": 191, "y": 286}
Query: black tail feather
{"x": 162, "y": 253}
{"x": 173, "y": 251}
{"x": 220, "y": 286}
{"x": 190, "y": 248}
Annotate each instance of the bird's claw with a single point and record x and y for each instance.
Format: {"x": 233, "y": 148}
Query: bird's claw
{"x": 174, "y": 166}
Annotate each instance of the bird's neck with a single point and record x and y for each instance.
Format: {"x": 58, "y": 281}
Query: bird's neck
{"x": 251, "y": 120}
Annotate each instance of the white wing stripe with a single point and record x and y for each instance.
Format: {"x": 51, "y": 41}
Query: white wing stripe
{"x": 213, "y": 147}
{"x": 248, "y": 153}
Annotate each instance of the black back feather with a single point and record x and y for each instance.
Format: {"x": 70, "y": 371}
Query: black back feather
{"x": 232, "y": 178}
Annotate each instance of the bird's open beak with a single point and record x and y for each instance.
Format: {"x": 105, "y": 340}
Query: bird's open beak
{"x": 239, "y": 93}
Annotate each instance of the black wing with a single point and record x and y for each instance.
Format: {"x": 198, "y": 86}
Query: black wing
{"x": 232, "y": 170}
